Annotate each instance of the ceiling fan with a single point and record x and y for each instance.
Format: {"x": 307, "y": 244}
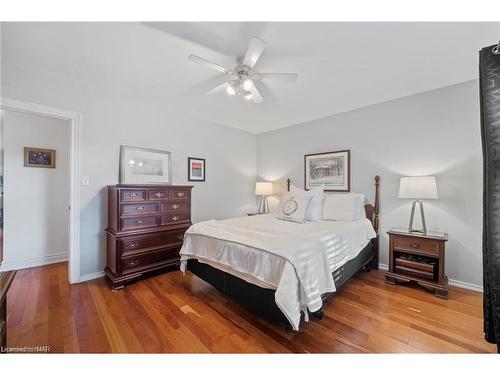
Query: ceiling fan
{"x": 243, "y": 77}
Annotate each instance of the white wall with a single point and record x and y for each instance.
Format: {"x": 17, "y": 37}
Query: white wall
{"x": 36, "y": 199}
{"x": 433, "y": 133}
{"x": 80, "y": 67}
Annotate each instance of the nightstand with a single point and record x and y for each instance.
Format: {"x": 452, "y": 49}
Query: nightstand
{"x": 419, "y": 258}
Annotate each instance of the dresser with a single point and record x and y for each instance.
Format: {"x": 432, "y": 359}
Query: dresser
{"x": 146, "y": 225}
{"x": 419, "y": 258}
{"x": 5, "y": 282}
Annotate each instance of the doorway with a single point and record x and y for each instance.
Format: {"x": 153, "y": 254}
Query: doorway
{"x": 55, "y": 212}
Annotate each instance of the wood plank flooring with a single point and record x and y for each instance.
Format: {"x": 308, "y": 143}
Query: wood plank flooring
{"x": 172, "y": 313}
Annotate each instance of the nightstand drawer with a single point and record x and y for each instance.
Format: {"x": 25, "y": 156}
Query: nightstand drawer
{"x": 416, "y": 245}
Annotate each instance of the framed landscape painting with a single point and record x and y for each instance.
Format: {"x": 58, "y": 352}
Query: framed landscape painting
{"x": 196, "y": 169}
{"x": 39, "y": 157}
{"x": 145, "y": 166}
{"x": 329, "y": 168}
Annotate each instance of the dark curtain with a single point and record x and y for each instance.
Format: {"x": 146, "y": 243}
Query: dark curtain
{"x": 489, "y": 71}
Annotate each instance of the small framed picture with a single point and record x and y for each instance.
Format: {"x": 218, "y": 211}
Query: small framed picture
{"x": 145, "y": 166}
{"x": 196, "y": 169}
{"x": 39, "y": 157}
{"x": 333, "y": 169}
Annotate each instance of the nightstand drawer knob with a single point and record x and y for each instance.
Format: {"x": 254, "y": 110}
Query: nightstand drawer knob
{"x": 415, "y": 245}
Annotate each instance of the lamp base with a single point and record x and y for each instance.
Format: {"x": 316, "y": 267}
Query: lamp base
{"x": 263, "y": 205}
{"x": 410, "y": 226}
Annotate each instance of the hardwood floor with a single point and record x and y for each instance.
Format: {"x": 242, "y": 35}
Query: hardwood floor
{"x": 172, "y": 313}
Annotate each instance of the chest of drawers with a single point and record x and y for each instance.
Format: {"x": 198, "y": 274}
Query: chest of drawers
{"x": 146, "y": 226}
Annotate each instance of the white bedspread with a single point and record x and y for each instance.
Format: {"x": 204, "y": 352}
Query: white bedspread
{"x": 296, "y": 260}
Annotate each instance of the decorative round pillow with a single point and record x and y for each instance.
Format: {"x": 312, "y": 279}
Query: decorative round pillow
{"x": 289, "y": 206}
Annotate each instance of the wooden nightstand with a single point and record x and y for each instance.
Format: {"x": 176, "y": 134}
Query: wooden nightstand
{"x": 418, "y": 258}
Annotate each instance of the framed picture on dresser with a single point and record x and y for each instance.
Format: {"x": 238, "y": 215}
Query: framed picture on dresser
{"x": 196, "y": 169}
{"x": 145, "y": 166}
{"x": 333, "y": 169}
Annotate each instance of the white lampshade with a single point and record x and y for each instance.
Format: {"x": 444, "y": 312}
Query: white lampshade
{"x": 264, "y": 188}
{"x": 418, "y": 187}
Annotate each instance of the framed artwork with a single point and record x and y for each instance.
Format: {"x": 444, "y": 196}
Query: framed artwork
{"x": 145, "y": 166}
{"x": 333, "y": 169}
{"x": 196, "y": 169}
{"x": 39, "y": 157}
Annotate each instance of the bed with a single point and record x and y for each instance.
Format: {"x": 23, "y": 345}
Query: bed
{"x": 280, "y": 270}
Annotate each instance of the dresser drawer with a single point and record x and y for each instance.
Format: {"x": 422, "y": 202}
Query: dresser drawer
{"x": 133, "y": 195}
{"x": 181, "y": 193}
{"x": 139, "y": 222}
{"x": 175, "y": 218}
{"x": 175, "y": 206}
{"x": 133, "y": 263}
{"x": 416, "y": 244}
{"x": 134, "y": 244}
{"x": 158, "y": 194}
{"x": 138, "y": 208}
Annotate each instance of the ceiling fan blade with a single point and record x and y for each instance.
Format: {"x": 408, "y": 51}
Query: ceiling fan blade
{"x": 256, "y": 97}
{"x": 218, "y": 89}
{"x": 254, "y": 51}
{"x": 209, "y": 64}
{"x": 286, "y": 77}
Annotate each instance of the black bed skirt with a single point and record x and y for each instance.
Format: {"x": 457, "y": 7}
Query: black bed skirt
{"x": 261, "y": 300}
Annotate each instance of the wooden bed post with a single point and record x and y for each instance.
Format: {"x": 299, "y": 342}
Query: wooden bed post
{"x": 376, "y": 223}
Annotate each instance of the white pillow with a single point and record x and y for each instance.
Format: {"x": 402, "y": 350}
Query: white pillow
{"x": 343, "y": 207}
{"x": 314, "y": 212}
{"x": 294, "y": 207}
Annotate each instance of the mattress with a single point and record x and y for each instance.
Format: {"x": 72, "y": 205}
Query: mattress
{"x": 296, "y": 260}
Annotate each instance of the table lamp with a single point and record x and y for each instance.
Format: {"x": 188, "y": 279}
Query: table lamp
{"x": 418, "y": 188}
{"x": 263, "y": 189}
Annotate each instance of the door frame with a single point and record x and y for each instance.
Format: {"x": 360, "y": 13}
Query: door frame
{"x": 74, "y": 120}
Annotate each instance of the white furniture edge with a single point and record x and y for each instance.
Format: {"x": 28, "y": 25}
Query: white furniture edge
{"x": 75, "y": 123}
{"x": 452, "y": 282}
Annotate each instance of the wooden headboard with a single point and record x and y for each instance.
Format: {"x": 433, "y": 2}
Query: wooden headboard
{"x": 372, "y": 210}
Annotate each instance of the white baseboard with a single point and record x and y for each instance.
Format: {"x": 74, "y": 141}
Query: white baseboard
{"x": 457, "y": 283}
{"x": 34, "y": 262}
{"x": 464, "y": 285}
{"x": 91, "y": 276}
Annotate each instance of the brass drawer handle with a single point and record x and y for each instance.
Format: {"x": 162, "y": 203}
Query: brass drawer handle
{"x": 180, "y": 194}
{"x": 415, "y": 245}
{"x": 175, "y": 206}
{"x": 159, "y": 195}
{"x": 139, "y": 222}
{"x": 174, "y": 218}
{"x": 140, "y": 208}
{"x": 132, "y": 195}
{"x": 131, "y": 245}
{"x": 133, "y": 263}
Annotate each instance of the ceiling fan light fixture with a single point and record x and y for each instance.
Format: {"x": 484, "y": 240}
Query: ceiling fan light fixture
{"x": 230, "y": 89}
{"x": 247, "y": 84}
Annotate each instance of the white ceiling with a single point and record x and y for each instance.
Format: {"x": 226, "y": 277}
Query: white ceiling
{"x": 341, "y": 66}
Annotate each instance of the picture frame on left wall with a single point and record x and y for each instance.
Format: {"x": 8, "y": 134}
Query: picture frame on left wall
{"x": 139, "y": 166}
{"x": 39, "y": 157}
